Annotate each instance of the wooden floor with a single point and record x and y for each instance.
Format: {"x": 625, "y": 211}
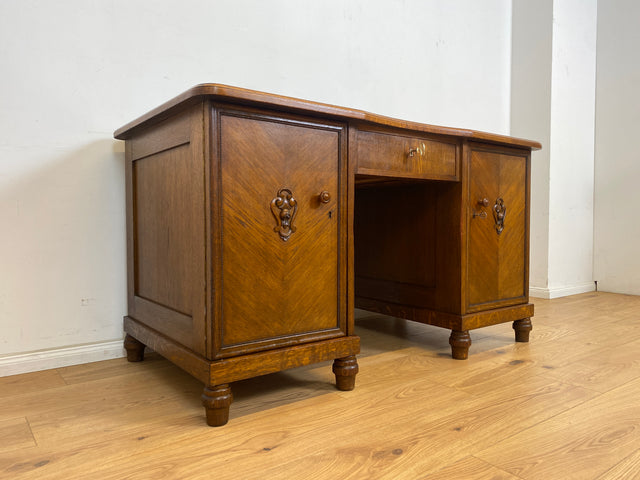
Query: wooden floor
{"x": 566, "y": 405}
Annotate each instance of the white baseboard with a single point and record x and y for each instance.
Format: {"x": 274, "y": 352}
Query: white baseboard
{"x": 557, "y": 292}
{"x": 59, "y": 357}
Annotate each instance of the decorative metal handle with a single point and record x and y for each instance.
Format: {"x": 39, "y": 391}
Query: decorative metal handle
{"x": 324, "y": 197}
{"x": 499, "y": 213}
{"x": 420, "y": 150}
{"x": 284, "y": 208}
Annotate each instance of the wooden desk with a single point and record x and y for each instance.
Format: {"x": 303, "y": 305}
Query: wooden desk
{"x": 256, "y": 223}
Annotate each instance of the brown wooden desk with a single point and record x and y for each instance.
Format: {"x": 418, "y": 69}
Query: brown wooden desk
{"x": 256, "y": 223}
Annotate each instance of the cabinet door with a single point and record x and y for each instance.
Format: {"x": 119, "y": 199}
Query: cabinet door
{"x": 282, "y": 215}
{"x": 498, "y": 229}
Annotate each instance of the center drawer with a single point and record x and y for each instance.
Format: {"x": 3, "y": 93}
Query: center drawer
{"x": 407, "y": 156}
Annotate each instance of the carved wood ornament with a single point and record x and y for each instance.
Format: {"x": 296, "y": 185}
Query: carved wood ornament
{"x": 284, "y": 208}
{"x": 499, "y": 212}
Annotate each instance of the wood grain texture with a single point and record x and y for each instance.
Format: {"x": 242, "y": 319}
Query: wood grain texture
{"x": 395, "y": 228}
{"x": 165, "y": 218}
{"x": 165, "y": 213}
{"x": 408, "y": 245}
{"x": 240, "y": 213}
{"x": 405, "y": 155}
{"x": 628, "y": 469}
{"x": 471, "y": 468}
{"x": 16, "y": 435}
{"x": 275, "y": 360}
{"x": 16, "y": 384}
{"x": 448, "y": 320}
{"x": 238, "y": 243}
{"x": 294, "y": 283}
{"x": 415, "y": 413}
{"x": 576, "y": 444}
{"x": 278, "y": 102}
{"x": 497, "y": 260}
{"x": 432, "y": 251}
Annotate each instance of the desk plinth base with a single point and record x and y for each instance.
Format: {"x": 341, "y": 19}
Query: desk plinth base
{"x": 460, "y": 339}
{"x": 217, "y": 374}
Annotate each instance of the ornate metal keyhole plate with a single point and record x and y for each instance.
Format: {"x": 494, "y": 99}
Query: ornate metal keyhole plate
{"x": 499, "y": 214}
{"x": 284, "y": 208}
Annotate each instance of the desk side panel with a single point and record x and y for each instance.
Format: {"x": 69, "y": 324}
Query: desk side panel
{"x": 166, "y": 219}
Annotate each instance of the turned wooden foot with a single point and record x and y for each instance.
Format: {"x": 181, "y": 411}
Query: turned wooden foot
{"x": 522, "y": 328}
{"x": 134, "y": 348}
{"x": 216, "y": 401}
{"x": 460, "y": 341}
{"x": 345, "y": 370}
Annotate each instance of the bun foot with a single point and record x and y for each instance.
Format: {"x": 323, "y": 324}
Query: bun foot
{"x": 134, "y": 348}
{"x": 345, "y": 370}
{"x": 460, "y": 341}
{"x": 523, "y": 328}
{"x": 216, "y": 401}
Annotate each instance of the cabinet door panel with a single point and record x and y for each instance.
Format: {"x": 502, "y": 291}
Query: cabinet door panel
{"x": 275, "y": 286}
{"x": 496, "y": 262}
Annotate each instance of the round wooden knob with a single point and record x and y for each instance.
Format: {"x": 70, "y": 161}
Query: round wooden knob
{"x": 324, "y": 196}
{"x": 484, "y": 202}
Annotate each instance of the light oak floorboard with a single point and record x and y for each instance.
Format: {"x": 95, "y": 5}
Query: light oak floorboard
{"x": 628, "y": 469}
{"x": 582, "y": 442}
{"x": 15, "y": 434}
{"x": 562, "y": 406}
{"x": 30, "y": 382}
{"x": 471, "y": 468}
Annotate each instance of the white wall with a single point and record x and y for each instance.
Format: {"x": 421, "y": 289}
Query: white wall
{"x": 617, "y": 195}
{"x": 572, "y": 139}
{"x": 553, "y": 97}
{"x": 532, "y": 28}
{"x": 74, "y": 71}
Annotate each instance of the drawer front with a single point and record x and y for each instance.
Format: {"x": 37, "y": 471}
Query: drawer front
{"x": 407, "y": 156}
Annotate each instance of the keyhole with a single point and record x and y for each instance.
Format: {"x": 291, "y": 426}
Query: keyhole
{"x": 330, "y": 213}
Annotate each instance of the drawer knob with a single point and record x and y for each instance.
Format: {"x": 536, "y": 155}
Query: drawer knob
{"x": 482, "y": 202}
{"x": 420, "y": 150}
{"x": 324, "y": 197}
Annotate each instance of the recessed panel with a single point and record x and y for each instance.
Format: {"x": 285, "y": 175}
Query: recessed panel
{"x": 166, "y": 209}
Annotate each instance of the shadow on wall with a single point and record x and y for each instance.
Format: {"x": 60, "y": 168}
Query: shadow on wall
{"x": 62, "y": 248}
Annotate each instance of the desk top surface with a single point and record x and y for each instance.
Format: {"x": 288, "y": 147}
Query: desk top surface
{"x": 243, "y": 96}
